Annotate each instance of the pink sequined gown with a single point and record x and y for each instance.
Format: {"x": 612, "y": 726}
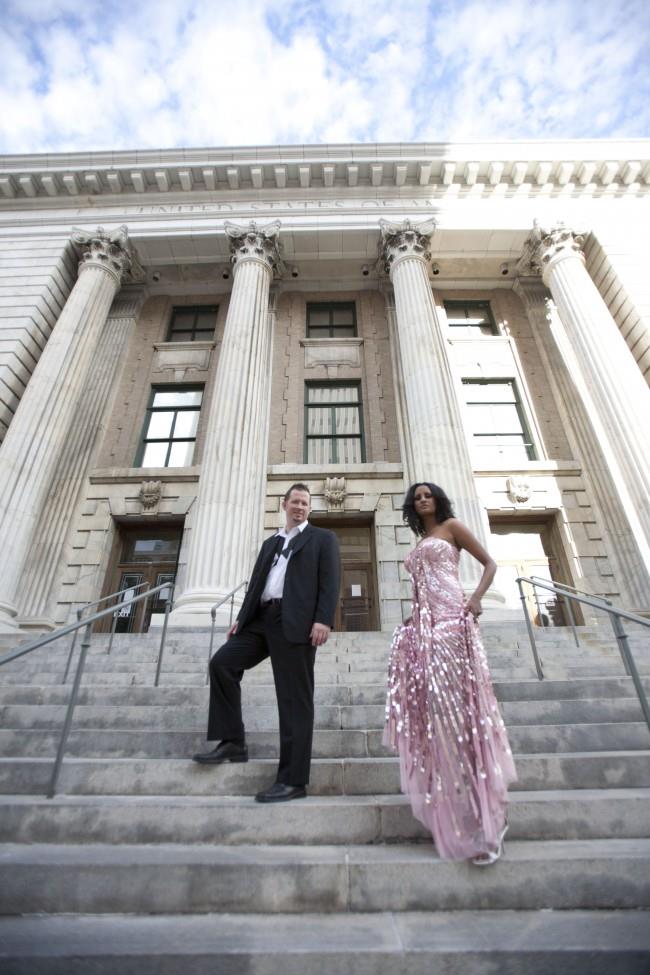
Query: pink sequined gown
{"x": 442, "y": 715}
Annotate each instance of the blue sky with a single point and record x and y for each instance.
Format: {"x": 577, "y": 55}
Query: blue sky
{"x": 161, "y": 73}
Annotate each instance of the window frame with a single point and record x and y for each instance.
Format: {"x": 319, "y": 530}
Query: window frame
{"x": 170, "y": 441}
{"x": 334, "y": 437}
{"x": 195, "y": 310}
{"x": 527, "y": 441}
{"x": 483, "y": 304}
{"x": 328, "y": 331}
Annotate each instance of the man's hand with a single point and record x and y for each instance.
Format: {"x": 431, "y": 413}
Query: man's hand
{"x": 319, "y": 634}
{"x": 232, "y": 630}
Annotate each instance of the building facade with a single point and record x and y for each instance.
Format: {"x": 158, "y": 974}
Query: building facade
{"x": 185, "y": 333}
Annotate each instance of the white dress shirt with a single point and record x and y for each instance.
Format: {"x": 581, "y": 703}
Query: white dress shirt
{"x": 275, "y": 579}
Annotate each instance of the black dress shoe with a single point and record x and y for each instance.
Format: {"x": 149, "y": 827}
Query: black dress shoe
{"x": 226, "y": 751}
{"x": 279, "y": 792}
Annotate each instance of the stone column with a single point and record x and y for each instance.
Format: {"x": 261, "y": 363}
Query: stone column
{"x": 44, "y": 425}
{"x": 610, "y": 384}
{"x": 227, "y": 518}
{"x": 41, "y": 574}
{"x": 435, "y": 440}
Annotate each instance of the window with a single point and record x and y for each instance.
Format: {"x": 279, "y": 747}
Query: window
{"x": 497, "y": 421}
{"x": 192, "y": 323}
{"x": 470, "y": 318}
{"x": 331, "y": 319}
{"x": 333, "y": 424}
{"x": 170, "y": 428}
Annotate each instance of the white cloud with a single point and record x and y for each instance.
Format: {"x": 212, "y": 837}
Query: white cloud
{"x": 114, "y": 74}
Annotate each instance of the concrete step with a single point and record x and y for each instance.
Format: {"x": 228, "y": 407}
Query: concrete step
{"x": 333, "y": 709}
{"x": 262, "y": 716}
{"x": 377, "y": 675}
{"x": 557, "y": 815}
{"x": 137, "y": 649}
{"x": 342, "y": 776}
{"x": 195, "y": 879}
{"x": 386, "y": 943}
{"x": 408, "y": 943}
{"x": 144, "y": 742}
{"x": 589, "y": 689}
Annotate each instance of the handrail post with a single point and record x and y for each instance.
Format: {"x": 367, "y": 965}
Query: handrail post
{"x": 213, "y": 614}
{"x": 621, "y": 639}
{"x": 163, "y": 635}
{"x": 531, "y": 635}
{"x": 72, "y": 646}
{"x": 85, "y": 644}
{"x": 539, "y": 608}
{"x": 569, "y": 607}
{"x": 116, "y": 617}
{"x": 630, "y": 666}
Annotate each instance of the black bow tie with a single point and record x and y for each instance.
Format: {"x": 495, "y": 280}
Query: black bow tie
{"x": 279, "y": 549}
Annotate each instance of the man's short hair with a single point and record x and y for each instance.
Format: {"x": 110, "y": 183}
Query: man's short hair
{"x": 297, "y": 487}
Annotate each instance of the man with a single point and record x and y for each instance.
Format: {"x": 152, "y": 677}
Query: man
{"x": 287, "y": 613}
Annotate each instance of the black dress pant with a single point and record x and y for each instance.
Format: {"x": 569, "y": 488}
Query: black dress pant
{"x": 293, "y": 675}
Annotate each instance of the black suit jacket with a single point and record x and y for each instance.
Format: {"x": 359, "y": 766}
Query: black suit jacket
{"x": 311, "y": 585}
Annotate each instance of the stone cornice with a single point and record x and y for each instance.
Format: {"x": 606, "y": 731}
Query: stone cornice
{"x": 536, "y": 168}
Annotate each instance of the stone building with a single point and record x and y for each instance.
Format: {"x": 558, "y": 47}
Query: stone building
{"x": 185, "y": 333}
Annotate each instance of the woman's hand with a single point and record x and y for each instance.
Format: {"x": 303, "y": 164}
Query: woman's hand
{"x": 473, "y": 607}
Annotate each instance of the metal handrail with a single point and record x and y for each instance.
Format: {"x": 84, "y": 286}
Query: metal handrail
{"x": 565, "y": 585}
{"x": 213, "y": 613}
{"x": 581, "y": 592}
{"x": 615, "y": 616}
{"x": 83, "y": 609}
{"x": 87, "y": 624}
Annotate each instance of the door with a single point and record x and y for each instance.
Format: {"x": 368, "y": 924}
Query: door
{"x": 145, "y": 555}
{"x": 521, "y": 549}
{"x": 357, "y": 607}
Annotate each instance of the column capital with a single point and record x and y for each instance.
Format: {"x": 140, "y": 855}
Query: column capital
{"x": 399, "y": 240}
{"x": 255, "y": 243}
{"x": 110, "y": 250}
{"x": 545, "y": 247}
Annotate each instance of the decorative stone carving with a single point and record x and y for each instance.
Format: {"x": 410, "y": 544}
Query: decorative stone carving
{"x": 519, "y": 489}
{"x": 334, "y": 493}
{"x": 332, "y": 353}
{"x": 256, "y": 243}
{"x": 542, "y": 246}
{"x": 150, "y": 494}
{"x": 182, "y": 358}
{"x": 109, "y": 250}
{"x": 404, "y": 240}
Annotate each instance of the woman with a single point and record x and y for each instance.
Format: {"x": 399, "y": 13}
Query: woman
{"x": 441, "y": 712}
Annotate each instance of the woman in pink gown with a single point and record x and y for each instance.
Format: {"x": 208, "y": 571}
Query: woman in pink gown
{"x": 441, "y": 711}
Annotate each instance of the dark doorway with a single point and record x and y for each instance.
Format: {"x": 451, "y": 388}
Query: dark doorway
{"x": 143, "y": 553}
{"x": 357, "y": 609}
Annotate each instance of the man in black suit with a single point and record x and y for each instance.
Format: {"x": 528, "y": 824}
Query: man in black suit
{"x": 287, "y": 613}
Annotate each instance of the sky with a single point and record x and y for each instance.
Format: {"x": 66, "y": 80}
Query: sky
{"x": 81, "y": 75}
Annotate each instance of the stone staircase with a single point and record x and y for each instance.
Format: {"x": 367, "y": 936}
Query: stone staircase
{"x": 145, "y": 862}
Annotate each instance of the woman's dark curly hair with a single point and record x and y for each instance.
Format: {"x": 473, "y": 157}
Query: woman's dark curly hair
{"x": 444, "y": 509}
